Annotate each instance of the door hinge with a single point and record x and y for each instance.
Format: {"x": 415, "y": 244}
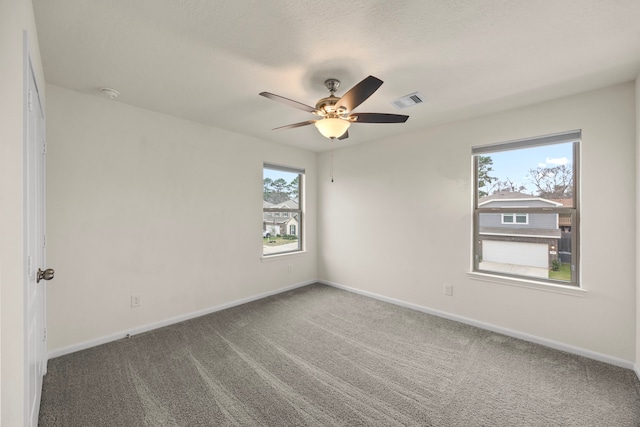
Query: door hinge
{"x": 44, "y": 148}
{"x": 30, "y": 100}
{"x": 44, "y": 240}
{"x": 44, "y": 334}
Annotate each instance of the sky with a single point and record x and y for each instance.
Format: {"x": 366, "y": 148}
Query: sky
{"x": 515, "y": 164}
{"x": 287, "y": 176}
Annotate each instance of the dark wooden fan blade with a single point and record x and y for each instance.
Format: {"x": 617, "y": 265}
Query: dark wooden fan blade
{"x": 359, "y": 93}
{"x": 378, "y": 118}
{"x": 289, "y": 102}
{"x": 345, "y": 135}
{"x": 296, "y": 125}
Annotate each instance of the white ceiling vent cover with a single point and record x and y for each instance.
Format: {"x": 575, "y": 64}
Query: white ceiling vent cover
{"x": 408, "y": 100}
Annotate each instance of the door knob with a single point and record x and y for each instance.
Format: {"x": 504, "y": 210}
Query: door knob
{"x": 45, "y": 275}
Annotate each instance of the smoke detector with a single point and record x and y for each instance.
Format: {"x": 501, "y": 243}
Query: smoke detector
{"x": 109, "y": 93}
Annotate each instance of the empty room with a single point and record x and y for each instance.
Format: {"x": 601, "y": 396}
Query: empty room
{"x": 282, "y": 213}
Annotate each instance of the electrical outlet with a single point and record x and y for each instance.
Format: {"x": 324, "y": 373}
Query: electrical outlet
{"x": 448, "y": 289}
{"x": 135, "y": 300}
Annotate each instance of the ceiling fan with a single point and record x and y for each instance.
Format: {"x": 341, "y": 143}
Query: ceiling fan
{"x": 336, "y": 113}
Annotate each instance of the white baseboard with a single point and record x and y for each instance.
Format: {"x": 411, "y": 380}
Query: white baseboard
{"x": 509, "y": 332}
{"x": 151, "y": 326}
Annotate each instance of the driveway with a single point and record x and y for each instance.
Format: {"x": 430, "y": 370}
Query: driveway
{"x": 520, "y": 270}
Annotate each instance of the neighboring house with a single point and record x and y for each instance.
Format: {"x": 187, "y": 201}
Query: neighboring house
{"x": 564, "y": 220}
{"x": 519, "y": 238}
{"x": 280, "y": 222}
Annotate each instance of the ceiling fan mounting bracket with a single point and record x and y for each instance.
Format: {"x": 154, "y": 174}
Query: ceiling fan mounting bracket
{"x": 332, "y": 85}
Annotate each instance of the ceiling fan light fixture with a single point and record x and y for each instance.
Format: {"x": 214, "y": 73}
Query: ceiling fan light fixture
{"x": 335, "y": 111}
{"x": 331, "y": 127}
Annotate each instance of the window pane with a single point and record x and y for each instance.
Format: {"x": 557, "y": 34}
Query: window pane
{"x": 522, "y": 219}
{"x": 279, "y": 187}
{"x": 531, "y": 251}
{"x": 545, "y": 171}
{"x": 281, "y": 230}
{"x": 280, "y": 243}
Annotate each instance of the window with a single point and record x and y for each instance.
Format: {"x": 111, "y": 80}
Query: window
{"x": 281, "y": 209}
{"x": 515, "y": 218}
{"x": 526, "y": 210}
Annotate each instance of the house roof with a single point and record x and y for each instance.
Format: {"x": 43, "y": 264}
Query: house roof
{"x": 206, "y": 61}
{"x": 275, "y": 219}
{"x": 564, "y": 202}
{"x": 505, "y": 196}
{"x": 288, "y": 204}
{"x": 270, "y": 219}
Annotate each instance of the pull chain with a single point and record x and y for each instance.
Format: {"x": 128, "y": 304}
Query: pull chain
{"x": 331, "y": 165}
{"x": 333, "y": 140}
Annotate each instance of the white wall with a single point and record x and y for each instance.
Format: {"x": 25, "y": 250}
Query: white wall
{"x": 15, "y": 17}
{"x": 144, "y": 203}
{"x": 419, "y": 187}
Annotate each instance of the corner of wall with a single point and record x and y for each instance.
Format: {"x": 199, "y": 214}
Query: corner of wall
{"x": 637, "y": 194}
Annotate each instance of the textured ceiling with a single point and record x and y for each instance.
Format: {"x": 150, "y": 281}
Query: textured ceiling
{"x": 207, "y": 60}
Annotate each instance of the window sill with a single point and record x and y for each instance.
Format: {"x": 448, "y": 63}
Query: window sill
{"x": 275, "y": 257}
{"x": 528, "y": 284}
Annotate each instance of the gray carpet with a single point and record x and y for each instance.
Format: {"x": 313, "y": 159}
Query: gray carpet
{"x": 319, "y": 356}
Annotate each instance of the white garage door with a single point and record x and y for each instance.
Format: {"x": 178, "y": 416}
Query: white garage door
{"x": 519, "y": 253}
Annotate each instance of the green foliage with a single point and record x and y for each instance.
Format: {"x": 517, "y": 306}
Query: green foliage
{"x": 294, "y": 188}
{"x": 266, "y": 188}
{"x": 555, "y": 265}
{"x": 279, "y": 191}
{"x": 484, "y": 179}
{"x": 564, "y": 273}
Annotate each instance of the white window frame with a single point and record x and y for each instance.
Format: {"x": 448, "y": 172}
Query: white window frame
{"x": 515, "y": 216}
{"x": 275, "y": 211}
{"x": 573, "y": 137}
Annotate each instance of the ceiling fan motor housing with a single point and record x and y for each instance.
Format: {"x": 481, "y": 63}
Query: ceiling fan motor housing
{"x": 327, "y": 106}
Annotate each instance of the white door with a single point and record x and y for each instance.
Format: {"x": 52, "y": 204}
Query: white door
{"x": 517, "y": 253}
{"x": 35, "y": 292}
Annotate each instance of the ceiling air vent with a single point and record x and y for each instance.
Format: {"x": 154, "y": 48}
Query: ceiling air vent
{"x": 408, "y": 100}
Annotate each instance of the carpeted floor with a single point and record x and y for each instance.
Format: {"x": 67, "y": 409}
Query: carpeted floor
{"x": 319, "y": 356}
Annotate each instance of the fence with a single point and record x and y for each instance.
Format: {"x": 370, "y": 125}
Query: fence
{"x": 564, "y": 247}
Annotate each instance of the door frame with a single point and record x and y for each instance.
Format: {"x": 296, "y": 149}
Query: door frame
{"x": 33, "y": 160}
